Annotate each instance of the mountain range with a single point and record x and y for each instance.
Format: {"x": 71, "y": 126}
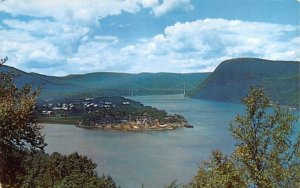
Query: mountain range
{"x": 232, "y": 78}
{"x": 107, "y": 83}
{"x": 228, "y": 83}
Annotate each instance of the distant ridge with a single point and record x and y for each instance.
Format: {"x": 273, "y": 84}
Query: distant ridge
{"x": 105, "y": 83}
{"x": 232, "y": 78}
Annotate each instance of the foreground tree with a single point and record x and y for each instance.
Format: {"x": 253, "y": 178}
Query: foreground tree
{"x": 23, "y": 162}
{"x": 267, "y": 147}
{"x": 219, "y": 171}
{"x": 267, "y": 152}
{"x": 57, "y": 170}
{"x": 19, "y": 131}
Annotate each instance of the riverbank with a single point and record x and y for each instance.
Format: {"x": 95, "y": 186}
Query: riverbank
{"x": 73, "y": 120}
{"x": 132, "y": 127}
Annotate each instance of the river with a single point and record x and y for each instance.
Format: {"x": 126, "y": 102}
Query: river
{"x": 152, "y": 159}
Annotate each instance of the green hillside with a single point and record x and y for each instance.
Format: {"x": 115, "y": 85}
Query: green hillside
{"x": 108, "y": 83}
{"x": 232, "y": 78}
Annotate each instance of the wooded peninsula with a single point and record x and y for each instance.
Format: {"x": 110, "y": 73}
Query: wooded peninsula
{"x": 108, "y": 113}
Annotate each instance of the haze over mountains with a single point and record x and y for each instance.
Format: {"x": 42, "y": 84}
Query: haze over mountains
{"x": 108, "y": 83}
{"x": 229, "y": 82}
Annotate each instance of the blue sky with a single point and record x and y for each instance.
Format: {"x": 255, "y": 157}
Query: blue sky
{"x": 78, "y": 36}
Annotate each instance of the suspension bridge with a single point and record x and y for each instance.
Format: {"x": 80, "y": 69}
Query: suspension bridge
{"x": 183, "y": 90}
{"x": 136, "y": 90}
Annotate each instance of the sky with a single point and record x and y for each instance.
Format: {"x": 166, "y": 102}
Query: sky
{"x": 64, "y": 37}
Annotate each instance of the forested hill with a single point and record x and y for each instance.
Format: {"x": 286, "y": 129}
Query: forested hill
{"x": 232, "y": 78}
{"x": 107, "y": 83}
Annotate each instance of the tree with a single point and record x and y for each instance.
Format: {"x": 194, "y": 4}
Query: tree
{"x": 19, "y": 131}
{"x": 267, "y": 152}
{"x": 219, "y": 171}
{"x": 23, "y": 162}
{"x": 56, "y": 170}
{"x": 266, "y": 149}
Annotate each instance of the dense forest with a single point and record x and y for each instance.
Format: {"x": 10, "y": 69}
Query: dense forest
{"x": 107, "y": 83}
{"x": 232, "y": 78}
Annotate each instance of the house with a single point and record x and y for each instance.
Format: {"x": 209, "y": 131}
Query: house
{"x": 56, "y": 108}
{"x": 46, "y": 113}
{"x": 64, "y": 107}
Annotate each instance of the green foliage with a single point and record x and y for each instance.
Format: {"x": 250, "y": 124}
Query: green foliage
{"x": 68, "y": 120}
{"x": 106, "y": 83}
{"x": 267, "y": 153}
{"x": 173, "y": 184}
{"x": 22, "y": 161}
{"x": 265, "y": 149}
{"x": 128, "y": 112}
{"x": 232, "y": 78}
{"x": 60, "y": 171}
{"x": 18, "y": 129}
{"x": 219, "y": 171}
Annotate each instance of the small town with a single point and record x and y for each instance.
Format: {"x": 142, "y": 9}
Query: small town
{"x": 75, "y": 107}
{"x": 110, "y": 113}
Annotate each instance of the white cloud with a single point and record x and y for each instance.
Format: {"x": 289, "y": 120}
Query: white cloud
{"x": 149, "y": 3}
{"x": 42, "y": 42}
{"x": 106, "y": 38}
{"x": 82, "y": 12}
{"x": 88, "y": 12}
{"x": 201, "y": 45}
{"x": 168, "y": 5}
{"x": 39, "y": 27}
{"x": 194, "y": 46}
{"x": 21, "y": 48}
{"x": 63, "y": 40}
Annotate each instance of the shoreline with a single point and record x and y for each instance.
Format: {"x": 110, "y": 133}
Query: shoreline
{"x": 120, "y": 127}
{"x": 136, "y": 127}
{"x": 128, "y": 128}
{"x": 140, "y": 125}
{"x": 54, "y": 123}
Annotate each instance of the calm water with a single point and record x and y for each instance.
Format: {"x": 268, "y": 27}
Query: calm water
{"x": 152, "y": 159}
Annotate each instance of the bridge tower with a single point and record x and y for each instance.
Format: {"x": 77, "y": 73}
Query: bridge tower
{"x": 184, "y": 89}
